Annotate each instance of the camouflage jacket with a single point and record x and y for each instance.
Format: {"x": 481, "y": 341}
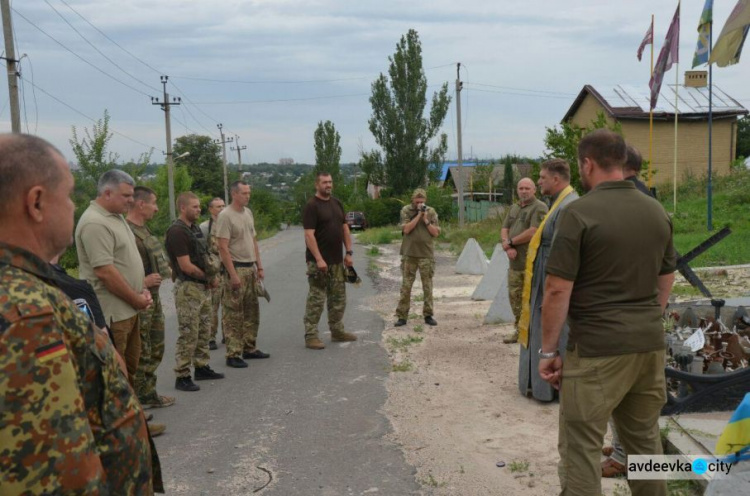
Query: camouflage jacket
{"x": 69, "y": 423}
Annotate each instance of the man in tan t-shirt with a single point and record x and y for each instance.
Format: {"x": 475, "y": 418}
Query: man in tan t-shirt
{"x": 238, "y": 248}
{"x": 109, "y": 260}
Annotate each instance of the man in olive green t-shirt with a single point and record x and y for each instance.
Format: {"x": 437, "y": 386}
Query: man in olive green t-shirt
{"x": 519, "y": 227}
{"x": 609, "y": 273}
{"x": 419, "y": 226}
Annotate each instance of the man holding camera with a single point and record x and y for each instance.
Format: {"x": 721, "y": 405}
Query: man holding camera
{"x": 419, "y": 226}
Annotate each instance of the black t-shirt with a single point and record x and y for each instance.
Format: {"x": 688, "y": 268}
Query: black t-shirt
{"x": 327, "y": 218}
{"x": 179, "y": 243}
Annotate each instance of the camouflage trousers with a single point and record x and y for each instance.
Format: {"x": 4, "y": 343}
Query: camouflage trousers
{"x": 152, "y": 349}
{"x": 216, "y": 294}
{"x": 409, "y": 267}
{"x": 515, "y": 291}
{"x": 193, "y": 303}
{"x": 241, "y": 313}
{"x": 329, "y": 286}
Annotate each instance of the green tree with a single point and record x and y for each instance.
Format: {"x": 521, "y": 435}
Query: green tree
{"x": 204, "y": 164}
{"x": 91, "y": 150}
{"x": 328, "y": 150}
{"x": 743, "y": 137}
{"x": 398, "y": 120}
{"x": 563, "y": 143}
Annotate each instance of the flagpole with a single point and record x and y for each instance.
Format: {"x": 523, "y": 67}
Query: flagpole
{"x": 710, "y": 126}
{"x": 676, "y": 102}
{"x": 651, "y": 111}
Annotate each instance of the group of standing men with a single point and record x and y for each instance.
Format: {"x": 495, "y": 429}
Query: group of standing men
{"x": 588, "y": 302}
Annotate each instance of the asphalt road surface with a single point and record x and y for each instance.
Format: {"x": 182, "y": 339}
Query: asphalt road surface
{"x": 302, "y": 422}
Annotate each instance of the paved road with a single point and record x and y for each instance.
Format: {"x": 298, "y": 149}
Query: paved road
{"x": 308, "y": 421}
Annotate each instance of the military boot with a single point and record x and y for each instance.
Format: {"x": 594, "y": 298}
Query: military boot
{"x": 511, "y": 338}
{"x": 156, "y": 429}
{"x": 314, "y": 344}
{"x": 343, "y": 336}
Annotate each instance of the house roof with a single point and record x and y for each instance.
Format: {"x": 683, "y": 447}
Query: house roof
{"x": 631, "y": 102}
{"x": 497, "y": 173}
{"x": 448, "y": 165}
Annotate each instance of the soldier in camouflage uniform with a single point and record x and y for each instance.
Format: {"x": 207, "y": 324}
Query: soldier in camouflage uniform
{"x": 208, "y": 229}
{"x": 519, "y": 227}
{"x": 419, "y": 226}
{"x": 326, "y": 233}
{"x": 156, "y": 268}
{"x": 187, "y": 250}
{"x": 240, "y": 256}
{"x": 70, "y": 422}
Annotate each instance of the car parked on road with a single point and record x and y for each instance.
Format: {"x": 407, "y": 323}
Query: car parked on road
{"x": 356, "y": 220}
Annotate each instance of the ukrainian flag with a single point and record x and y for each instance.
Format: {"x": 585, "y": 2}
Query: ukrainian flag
{"x": 735, "y": 440}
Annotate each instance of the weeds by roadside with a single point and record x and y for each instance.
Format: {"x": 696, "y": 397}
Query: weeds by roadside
{"x": 401, "y": 344}
{"x": 379, "y": 235}
{"x": 519, "y": 466}
{"x": 404, "y": 366}
{"x": 373, "y": 251}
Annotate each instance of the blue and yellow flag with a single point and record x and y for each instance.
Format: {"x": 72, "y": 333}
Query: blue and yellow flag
{"x": 735, "y": 440}
{"x": 704, "y": 34}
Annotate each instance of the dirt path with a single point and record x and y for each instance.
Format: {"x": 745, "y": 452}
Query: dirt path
{"x": 453, "y": 396}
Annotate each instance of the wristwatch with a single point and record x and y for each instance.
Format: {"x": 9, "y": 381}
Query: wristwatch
{"x": 510, "y": 242}
{"x": 350, "y": 252}
{"x": 546, "y": 356}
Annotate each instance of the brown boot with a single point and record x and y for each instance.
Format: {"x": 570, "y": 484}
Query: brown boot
{"x": 314, "y": 344}
{"x": 343, "y": 337}
{"x": 608, "y": 450}
{"x": 156, "y": 429}
{"x": 511, "y": 338}
{"x": 611, "y": 468}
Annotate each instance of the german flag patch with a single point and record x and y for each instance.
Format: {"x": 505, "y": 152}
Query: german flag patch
{"x": 50, "y": 351}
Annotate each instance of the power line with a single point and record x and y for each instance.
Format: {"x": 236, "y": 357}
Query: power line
{"x": 33, "y": 90}
{"x": 78, "y": 56}
{"x": 329, "y": 97}
{"x": 525, "y": 90}
{"x": 97, "y": 49}
{"x": 110, "y": 39}
{"x": 61, "y": 102}
{"x": 288, "y": 81}
{"x": 520, "y": 94}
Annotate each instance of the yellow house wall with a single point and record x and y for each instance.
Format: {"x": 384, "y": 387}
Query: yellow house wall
{"x": 692, "y": 142}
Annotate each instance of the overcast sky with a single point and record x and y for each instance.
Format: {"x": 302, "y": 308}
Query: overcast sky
{"x": 270, "y": 70}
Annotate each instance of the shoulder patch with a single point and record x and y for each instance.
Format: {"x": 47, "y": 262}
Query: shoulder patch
{"x": 53, "y": 350}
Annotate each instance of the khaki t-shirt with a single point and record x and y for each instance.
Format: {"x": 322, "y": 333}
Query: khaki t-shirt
{"x": 239, "y": 229}
{"x": 519, "y": 219}
{"x": 103, "y": 238}
{"x": 613, "y": 243}
{"x": 419, "y": 242}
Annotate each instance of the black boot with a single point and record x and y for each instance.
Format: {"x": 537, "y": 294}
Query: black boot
{"x": 205, "y": 373}
{"x": 186, "y": 384}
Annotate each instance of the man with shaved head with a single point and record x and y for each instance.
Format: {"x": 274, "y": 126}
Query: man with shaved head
{"x": 70, "y": 422}
{"x": 519, "y": 227}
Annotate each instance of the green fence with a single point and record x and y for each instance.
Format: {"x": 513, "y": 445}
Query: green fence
{"x": 475, "y": 210}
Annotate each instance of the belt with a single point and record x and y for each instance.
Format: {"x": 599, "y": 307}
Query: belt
{"x": 243, "y": 264}
{"x": 191, "y": 279}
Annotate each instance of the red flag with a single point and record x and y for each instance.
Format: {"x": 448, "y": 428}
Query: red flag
{"x": 668, "y": 55}
{"x": 647, "y": 40}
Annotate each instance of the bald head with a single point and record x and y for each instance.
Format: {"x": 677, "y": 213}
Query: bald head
{"x": 526, "y": 189}
{"x": 25, "y": 161}
{"x": 36, "y": 209}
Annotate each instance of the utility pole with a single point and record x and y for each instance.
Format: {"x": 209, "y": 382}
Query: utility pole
{"x": 459, "y": 86}
{"x": 239, "y": 150}
{"x": 10, "y": 60}
{"x": 165, "y": 104}
{"x": 223, "y": 142}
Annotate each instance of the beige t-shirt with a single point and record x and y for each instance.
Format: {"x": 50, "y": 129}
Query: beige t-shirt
{"x": 104, "y": 238}
{"x": 239, "y": 229}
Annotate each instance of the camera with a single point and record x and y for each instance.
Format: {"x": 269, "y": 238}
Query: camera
{"x": 423, "y": 208}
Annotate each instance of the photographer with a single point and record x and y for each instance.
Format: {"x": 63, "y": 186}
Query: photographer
{"x": 419, "y": 225}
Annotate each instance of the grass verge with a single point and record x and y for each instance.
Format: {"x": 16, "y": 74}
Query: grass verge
{"x": 379, "y": 235}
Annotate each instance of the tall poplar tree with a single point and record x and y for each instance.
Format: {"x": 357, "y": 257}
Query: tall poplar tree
{"x": 328, "y": 150}
{"x": 399, "y": 123}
